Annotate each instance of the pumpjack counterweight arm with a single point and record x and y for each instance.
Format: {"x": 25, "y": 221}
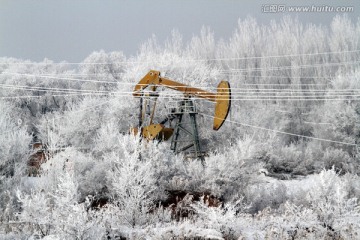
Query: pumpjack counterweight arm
{"x": 221, "y": 98}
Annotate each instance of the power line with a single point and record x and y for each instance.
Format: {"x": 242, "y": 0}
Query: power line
{"x": 281, "y": 76}
{"x": 291, "y": 90}
{"x": 245, "y": 95}
{"x": 267, "y": 98}
{"x": 282, "y": 132}
{"x": 243, "y": 91}
{"x": 34, "y": 88}
{"x": 133, "y": 84}
{"x": 246, "y": 75}
{"x": 289, "y": 55}
{"x": 289, "y": 67}
{"x": 55, "y": 95}
{"x": 291, "y": 96}
{"x": 299, "y": 99}
{"x": 184, "y": 60}
{"x": 65, "y": 74}
{"x": 57, "y": 78}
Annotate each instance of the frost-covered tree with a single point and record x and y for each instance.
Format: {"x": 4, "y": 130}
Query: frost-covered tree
{"x": 133, "y": 183}
{"x": 14, "y": 150}
{"x": 57, "y": 212}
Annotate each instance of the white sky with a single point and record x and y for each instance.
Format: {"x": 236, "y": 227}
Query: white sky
{"x": 71, "y": 29}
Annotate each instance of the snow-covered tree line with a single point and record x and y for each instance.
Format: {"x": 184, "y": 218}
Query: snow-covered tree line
{"x": 286, "y": 166}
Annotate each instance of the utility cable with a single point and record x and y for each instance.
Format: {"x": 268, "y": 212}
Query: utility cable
{"x": 185, "y": 60}
{"x": 244, "y": 95}
{"x": 57, "y": 78}
{"x": 282, "y": 132}
{"x": 245, "y": 75}
{"x": 272, "y": 98}
{"x": 133, "y": 84}
{"x": 243, "y": 92}
{"x": 288, "y": 67}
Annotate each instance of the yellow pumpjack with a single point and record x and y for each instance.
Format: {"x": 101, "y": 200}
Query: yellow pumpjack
{"x": 222, "y": 99}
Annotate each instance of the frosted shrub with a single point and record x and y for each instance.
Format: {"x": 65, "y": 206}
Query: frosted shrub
{"x": 37, "y": 212}
{"x": 339, "y": 159}
{"x": 353, "y": 185}
{"x": 291, "y": 222}
{"x": 224, "y": 219}
{"x": 262, "y": 194}
{"x": 90, "y": 174}
{"x": 286, "y": 160}
{"x": 328, "y": 186}
{"x": 328, "y": 197}
{"x": 14, "y": 149}
{"x": 300, "y": 222}
{"x": 133, "y": 185}
{"x": 14, "y": 139}
{"x": 222, "y": 174}
{"x": 75, "y": 127}
{"x": 57, "y": 212}
{"x": 74, "y": 220}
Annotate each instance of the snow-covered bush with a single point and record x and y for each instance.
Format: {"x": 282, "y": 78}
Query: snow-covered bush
{"x": 57, "y": 212}
{"x": 133, "y": 183}
{"x": 14, "y": 152}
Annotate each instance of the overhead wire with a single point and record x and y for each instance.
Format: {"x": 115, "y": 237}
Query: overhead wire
{"x": 64, "y": 75}
{"x": 57, "y": 78}
{"x": 204, "y": 87}
{"x": 35, "y": 88}
{"x": 55, "y": 95}
{"x": 238, "y": 90}
{"x": 282, "y": 76}
{"x": 288, "y": 55}
{"x": 98, "y": 81}
{"x": 245, "y": 95}
{"x": 267, "y": 98}
{"x": 169, "y": 96}
{"x": 235, "y": 97}
{"x": 185, "y": 60}
{"x": 332, "y": 93}
{"x": 282, "y": 132}
{"x": 132, "y": 84}
{"x": 289, "y": 67}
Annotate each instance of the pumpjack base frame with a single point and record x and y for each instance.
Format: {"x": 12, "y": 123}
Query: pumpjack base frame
{"x": 190, "y": 146}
